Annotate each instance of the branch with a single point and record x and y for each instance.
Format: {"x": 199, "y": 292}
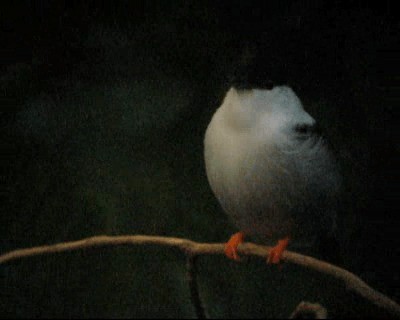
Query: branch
{"x": 307, "y": 310}
{"x": 193, "y": 286}
{"x": 193, "y": 249}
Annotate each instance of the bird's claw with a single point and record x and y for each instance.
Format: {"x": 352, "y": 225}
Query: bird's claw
{"x": 274, "y": 256}
{"x": 232, "y": 245}
{"x": 276, "y": 252}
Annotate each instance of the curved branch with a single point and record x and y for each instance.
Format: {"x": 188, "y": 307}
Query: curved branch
{"x": 192, "y": 248}
{"x": 307, "y": 310}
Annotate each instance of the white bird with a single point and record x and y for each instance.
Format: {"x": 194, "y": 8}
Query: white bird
{"x": 271, "y": 173}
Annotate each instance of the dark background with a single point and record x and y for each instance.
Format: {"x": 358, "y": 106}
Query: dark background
{"x": 103, "y": 110}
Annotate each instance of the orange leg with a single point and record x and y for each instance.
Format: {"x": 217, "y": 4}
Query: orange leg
{"x": 232, "y": 244}
{"x": 276, "y": 252}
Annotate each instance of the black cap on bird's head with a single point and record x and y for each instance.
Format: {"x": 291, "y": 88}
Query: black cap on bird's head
{"x": 254, "y": 72}
{"x": 273, "y": 59}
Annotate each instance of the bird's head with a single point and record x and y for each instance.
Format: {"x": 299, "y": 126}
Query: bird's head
{"x": 276, "y": 112}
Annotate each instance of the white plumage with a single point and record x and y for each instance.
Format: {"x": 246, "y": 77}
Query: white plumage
{"x": 270, "y": 172}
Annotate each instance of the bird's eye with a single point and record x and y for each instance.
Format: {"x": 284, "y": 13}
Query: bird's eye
{"x": 304, "y": 128}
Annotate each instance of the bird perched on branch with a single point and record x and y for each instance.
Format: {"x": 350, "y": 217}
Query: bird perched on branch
{"x": 270, "y": 170}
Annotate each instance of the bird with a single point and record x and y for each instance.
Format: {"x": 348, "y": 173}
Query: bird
{"x": 270, "y": 168}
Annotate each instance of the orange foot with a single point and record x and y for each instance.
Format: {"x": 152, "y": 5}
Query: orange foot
{"x": 232, "y": 245}
{"x": 276, "y": 252}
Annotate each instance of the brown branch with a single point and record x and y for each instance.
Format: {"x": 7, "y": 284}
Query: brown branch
{"x": 192, "y": 248}
{"x": 307, "y": 310}
{"x": 194, "y": 288}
